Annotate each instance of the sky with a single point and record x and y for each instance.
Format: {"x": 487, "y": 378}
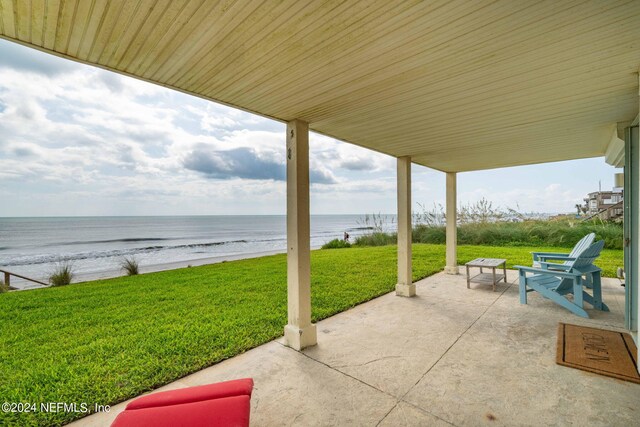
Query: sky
{"x": 79, "y": 140}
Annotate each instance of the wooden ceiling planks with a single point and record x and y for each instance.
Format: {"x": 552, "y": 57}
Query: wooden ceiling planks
{"x": 533, "y": 81}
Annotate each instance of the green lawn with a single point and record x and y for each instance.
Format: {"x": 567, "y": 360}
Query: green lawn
{"x": 106, "y": 341}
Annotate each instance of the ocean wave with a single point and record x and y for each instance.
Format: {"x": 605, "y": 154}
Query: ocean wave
{"x": 125, "y": 240}
{"x": 52, "y": 258}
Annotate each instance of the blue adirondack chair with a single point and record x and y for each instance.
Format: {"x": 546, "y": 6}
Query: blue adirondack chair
{"x": 555, "y": 284}
{"x": 541, "y": 259}
{"x": 544, "y": 257}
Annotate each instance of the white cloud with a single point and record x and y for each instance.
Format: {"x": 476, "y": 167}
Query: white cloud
{"x": 80, "y": 140}
{"x": 90, "y": 134}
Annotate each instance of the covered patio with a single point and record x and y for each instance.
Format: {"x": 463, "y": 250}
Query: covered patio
{"x": 454, "y": 86}
{"x": 449, "y": 356}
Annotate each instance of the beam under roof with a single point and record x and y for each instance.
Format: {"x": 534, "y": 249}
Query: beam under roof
{"x": 456, "y": 85}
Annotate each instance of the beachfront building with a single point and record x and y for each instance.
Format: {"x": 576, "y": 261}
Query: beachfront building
{"x": 454, "y": 85}
{"x": 606, "y": 205}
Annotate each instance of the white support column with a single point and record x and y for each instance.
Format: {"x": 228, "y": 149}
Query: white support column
{"x": 452, "y": 224}
{"x": 299, "y": 332}
{"x": 405, "y": 287}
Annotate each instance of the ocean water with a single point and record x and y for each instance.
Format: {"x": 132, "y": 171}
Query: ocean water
{"x": 34, "y": 246}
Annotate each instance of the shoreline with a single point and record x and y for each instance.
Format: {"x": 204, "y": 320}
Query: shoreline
{"x": 24, "y": 285}
{"x": 173, "y": 265}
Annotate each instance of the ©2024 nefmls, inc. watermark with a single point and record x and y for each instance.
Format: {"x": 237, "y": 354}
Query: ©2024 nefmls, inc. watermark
{"x": 54, "y": 407}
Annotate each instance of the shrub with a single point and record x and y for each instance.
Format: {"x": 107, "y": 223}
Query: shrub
{"x": 62, "y": 274}
{"x": 130, "y": 266}
{"x": 336, "y": 244}
{"x": 376, "y": 239}
{"x": 431, "y": 234}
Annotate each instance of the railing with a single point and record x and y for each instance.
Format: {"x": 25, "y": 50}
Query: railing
{"x": 7, "y": 279}
{"x": 608, "y": 208}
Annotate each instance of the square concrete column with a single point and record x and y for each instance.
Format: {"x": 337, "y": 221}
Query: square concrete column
{"x": 405, "y": 286}
{"x": 299, "y": 332}
{"x": 452, "y": 224}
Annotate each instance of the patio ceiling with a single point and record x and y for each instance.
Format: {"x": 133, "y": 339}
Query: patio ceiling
{"x": 456, "y": 85}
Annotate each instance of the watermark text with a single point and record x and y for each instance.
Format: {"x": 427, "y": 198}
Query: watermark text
{"x": 53, "y": 407}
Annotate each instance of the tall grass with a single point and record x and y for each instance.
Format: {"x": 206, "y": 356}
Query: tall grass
{"x": 62, "y": 274}
{"x": 3, "y": 287}
{"x": 376, "y": 223}
{"x": 560, "y": 233}
{"x": 378, "y": 235}
{"x": 482, "y": 223}
{"x": 130, "y": 266}
{"x": 480, "y": 212}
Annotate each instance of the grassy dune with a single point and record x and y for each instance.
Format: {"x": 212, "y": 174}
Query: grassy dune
{"x": 558, "y": 233}
{"x": 106, "y": 341}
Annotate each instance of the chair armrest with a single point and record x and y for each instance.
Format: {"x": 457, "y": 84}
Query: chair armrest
{"x": 565, "y": 274}
{"x": 536, "y": 255}
{"x": 550, "y": 253}
{"x": 556, "y": 257}
{"x": 588, "y": 269}
{"x": 553, "y": 265}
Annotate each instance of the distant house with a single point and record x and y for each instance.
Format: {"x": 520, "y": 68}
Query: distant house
{"x": 605, "y": 204}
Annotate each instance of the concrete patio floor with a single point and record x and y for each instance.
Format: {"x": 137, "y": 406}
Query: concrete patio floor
{"x": 450, "y": 356}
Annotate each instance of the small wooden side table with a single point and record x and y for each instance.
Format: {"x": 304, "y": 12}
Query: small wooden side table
{"x": 486, "y": 278}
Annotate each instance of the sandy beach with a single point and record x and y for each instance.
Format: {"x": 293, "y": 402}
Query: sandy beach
{"x": 21, "y": 284}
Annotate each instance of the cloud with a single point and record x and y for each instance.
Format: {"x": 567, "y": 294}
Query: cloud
{"x": 357, "y": 164}
{"x": 212, "y": 123}
{"x": 23, "y": 151}
{"x": 369, "y": 187}
{"x": 347, "y": 157}
{"x": 321, "y": 176}
{"x": 237, "y": 163}
{"x": 222, "y": 120}
{"x": 247, "y": 163}
{"x": 14, "y": 56}
{"x": 112, "y": 81}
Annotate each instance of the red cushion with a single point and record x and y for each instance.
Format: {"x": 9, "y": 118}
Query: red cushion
{"x": 225, "y": 412}
{"x": 194, "y": 394}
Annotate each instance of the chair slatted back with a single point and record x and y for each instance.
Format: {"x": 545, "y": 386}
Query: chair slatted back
{"x": 583, "y": 244}
{"x": 589, "y": 255}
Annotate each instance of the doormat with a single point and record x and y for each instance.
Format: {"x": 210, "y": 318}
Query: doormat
{"x": 596, "y": 350}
